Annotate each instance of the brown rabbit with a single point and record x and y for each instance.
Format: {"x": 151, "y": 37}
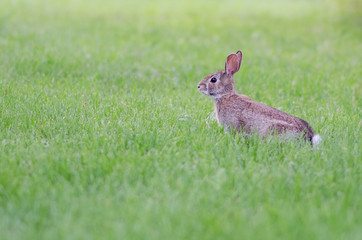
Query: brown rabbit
{"x": 243, "y": 114}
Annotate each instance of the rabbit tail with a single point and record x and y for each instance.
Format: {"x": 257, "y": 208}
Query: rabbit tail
{"x": 316, "y": 140}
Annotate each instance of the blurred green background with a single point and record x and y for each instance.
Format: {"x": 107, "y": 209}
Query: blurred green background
{"x": 104, "y": 135}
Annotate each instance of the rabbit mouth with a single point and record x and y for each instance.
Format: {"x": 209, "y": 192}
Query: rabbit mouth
{"x": 213, "y": 95}
{"x": 205, "y": 92}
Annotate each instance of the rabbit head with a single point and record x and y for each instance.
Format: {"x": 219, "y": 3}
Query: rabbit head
{"x": 221, "y": 82}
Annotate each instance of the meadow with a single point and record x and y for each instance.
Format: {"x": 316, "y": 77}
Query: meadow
{"x": 104, "y": 135}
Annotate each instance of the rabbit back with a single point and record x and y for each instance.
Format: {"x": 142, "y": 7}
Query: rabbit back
{"x": 242, "y": 113}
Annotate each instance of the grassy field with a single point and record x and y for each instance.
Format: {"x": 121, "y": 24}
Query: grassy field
{"x": 104, "y": 135}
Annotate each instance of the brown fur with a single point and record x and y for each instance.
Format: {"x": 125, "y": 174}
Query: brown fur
{"x": 242, "y": 113}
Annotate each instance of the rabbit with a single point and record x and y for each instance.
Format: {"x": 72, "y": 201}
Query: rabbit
{"x": 245, "y": 115}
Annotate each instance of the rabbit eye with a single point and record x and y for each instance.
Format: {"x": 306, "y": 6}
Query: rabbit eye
{"x": 213, "y": 80}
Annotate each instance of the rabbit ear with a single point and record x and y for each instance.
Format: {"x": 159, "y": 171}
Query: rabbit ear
{"x": 233, "y": 62}
{"x": 240, "y": 57}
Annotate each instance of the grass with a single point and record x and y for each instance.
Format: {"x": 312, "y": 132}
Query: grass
{"x": 103, "y": 134}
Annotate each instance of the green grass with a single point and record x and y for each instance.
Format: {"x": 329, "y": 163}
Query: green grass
{"x": 103, "y": 134}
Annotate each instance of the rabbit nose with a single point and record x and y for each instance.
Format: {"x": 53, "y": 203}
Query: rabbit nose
{"x": 198, "y": 86}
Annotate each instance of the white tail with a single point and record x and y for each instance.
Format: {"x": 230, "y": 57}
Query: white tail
{"x": 316, "y": 140}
